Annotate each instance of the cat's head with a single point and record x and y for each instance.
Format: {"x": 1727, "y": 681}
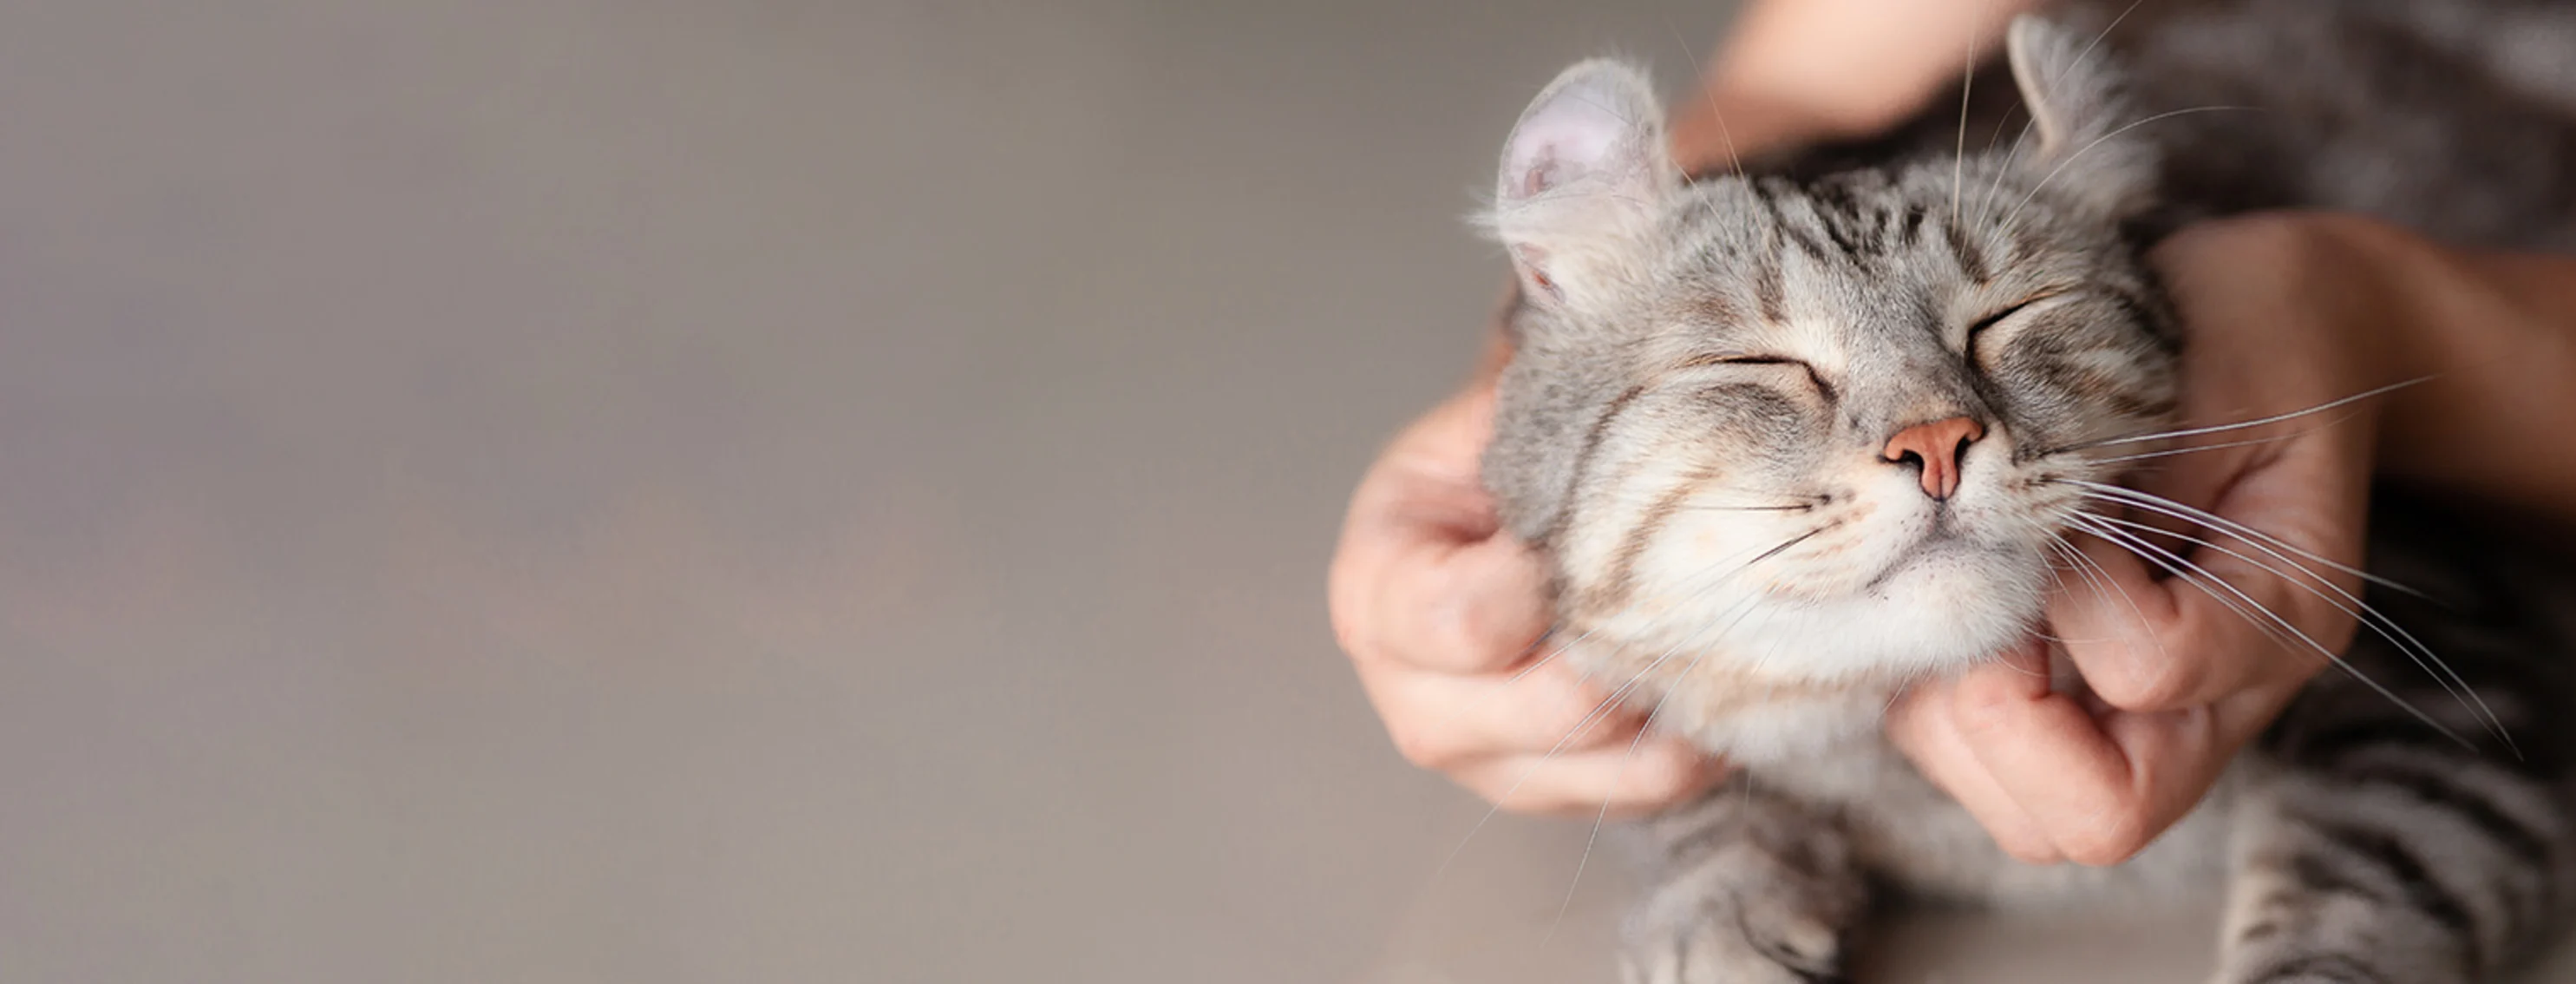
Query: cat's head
{"x": 1807, "y": 433}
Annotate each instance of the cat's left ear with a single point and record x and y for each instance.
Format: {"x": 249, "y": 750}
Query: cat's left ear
{"x": 1584, "y": 175}
{"x": 2081, "y": 115}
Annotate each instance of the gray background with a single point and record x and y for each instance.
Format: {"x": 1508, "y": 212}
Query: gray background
{"x": 632, "y": 490}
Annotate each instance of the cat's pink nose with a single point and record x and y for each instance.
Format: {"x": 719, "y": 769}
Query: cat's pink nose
{"x": 1935, "y": 448}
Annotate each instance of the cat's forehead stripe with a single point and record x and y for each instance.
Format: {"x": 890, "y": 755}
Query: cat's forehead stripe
{"x": 1972, "y": 263}
{"x": 1770, "y": 289}
{"x": 1584, "y": 458}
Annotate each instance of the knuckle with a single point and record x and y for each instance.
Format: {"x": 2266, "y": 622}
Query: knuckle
{"x": 2156, "y": 685}
{"x": 1483, "y": 637}
{"x": 1353, "y": 628}
{"x": 1425, "y": 747}
{"x": 1454, "y": 630}
{"x": 1347, "y": 633}
{"x": 1518, "y": 798}
{"x": 2029, "y": 850}
{"x": 1664, "y": 780}
{"x": 1982, "y": 710}
{"x": 2110, "y": 842}
{"x": 1983, "y": 715}
{"x": 1566, "y": 718}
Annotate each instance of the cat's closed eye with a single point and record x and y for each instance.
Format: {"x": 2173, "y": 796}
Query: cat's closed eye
{"x": 1766, "y": 359}
{"x": 2005, "y": 313}
{"x": 1996, "y": 318}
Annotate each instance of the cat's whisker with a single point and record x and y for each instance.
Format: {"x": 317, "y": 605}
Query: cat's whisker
{"x": 1694, "y": 640}
{"x": 2350, "y": 604}
{"x": 2200, "y": 577}
{"x": 2103, "y": 587}
{"x": 1616, "y": 775}
{"x": 2057, "y": 554}
{"x": 1959, "y": 159}
{"x": 1709, "y": 96}
{"x": 1602, "y": 710}
{"x": 1893, "y": 696}
{"x": 1643, "y": 730}
{"x": 1593, "y": 838}
{"x": 1735, "y": 162}
{"x": 2077, "y": 562}
{"x": 2071, "y": 68}
{"x": 2202, "y": 517}
{"x": 1599, "y": 712}
{"x": 2101, "y": 36}
{"x": 2344, "y": 601}
{"x": 2003, "y": 166}
{"x": 1562, "y": 648}
{"x": 2273, "y": 419}
{"x": 1757, "y": 498}
{"x": 1542, "y": 641}
{"x": 2128, "y": 645}
{"x": 2099, "y": 141}
{"x": 2116, "y": 538}
{"x": 1717, "y": 573}
{"x": 1527, "y": 670}
{"x": 2223, "y": 445}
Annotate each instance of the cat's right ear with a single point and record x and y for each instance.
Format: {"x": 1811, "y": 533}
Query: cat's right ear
{"x": 2082, "y": 118}
{"x": 1584, "y": 176}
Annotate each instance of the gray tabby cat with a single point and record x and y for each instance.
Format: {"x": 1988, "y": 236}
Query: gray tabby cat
{"x": 1794, "y": 438}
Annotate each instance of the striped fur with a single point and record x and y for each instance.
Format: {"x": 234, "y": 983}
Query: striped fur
{"x": 1696, "y": 430}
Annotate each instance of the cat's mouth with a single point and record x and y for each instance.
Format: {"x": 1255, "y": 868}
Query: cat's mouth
{"x": 1930, "y": 550}
{"x": 1944, "y": 551}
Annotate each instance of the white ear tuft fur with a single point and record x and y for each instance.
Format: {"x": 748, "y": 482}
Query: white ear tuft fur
{"x": 2076, "y": 106}
{"x": 1584, "y": 170}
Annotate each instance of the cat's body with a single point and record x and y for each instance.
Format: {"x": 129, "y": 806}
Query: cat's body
{"x": 1798, "y": 437}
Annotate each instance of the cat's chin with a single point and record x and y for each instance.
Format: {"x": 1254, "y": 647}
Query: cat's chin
{"x": 1933, "y": 617}
{"x": 1786, "y": 730}
{"x": 1938, "y": 614}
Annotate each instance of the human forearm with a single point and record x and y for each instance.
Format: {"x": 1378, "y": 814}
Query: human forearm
{"x": 1801, "y": 70}
{"x": 2497, "y": 331}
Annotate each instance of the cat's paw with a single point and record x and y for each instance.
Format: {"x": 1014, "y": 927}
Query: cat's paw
{"x": 2321, "y": 969}
{"x": 1731, "y": 945}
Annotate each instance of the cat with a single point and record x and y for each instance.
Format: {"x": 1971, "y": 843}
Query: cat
{"x": 1793, "y": 436}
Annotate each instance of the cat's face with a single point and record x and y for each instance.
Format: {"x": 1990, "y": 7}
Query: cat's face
{"x": 1806, "y": 433}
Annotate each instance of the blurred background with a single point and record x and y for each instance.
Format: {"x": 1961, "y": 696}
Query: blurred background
{"x": 635, "y": 490}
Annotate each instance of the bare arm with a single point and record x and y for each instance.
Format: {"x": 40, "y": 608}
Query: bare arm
{"x": 2498, "y": 332}
{"x": 1802, "y": 70}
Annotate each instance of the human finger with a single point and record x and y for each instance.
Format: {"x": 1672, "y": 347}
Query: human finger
{"x": 1423, "y": 576}
{"x": 1924, "y": 724}
{"x": 1620, "y": 781}
{"x": 1444, "y": 721}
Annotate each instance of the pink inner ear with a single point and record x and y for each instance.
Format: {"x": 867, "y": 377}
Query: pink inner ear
{"x": 1571, "y": 138}
{"x": 1540, "y": 175}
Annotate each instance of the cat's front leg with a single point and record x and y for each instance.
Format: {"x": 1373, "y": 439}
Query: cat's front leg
{"x": 1744, "y": 888}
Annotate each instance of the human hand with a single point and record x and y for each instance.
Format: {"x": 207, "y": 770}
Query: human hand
{"x": 1442, "y": 612}
{"x": 2283, "y": 314}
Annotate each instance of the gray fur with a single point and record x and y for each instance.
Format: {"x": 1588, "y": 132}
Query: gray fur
{"x": 1696, "y": 430}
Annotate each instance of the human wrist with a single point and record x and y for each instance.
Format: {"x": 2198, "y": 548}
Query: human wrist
{"x": 2486, "y": 332}
{"x": 2396, "y": 287}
